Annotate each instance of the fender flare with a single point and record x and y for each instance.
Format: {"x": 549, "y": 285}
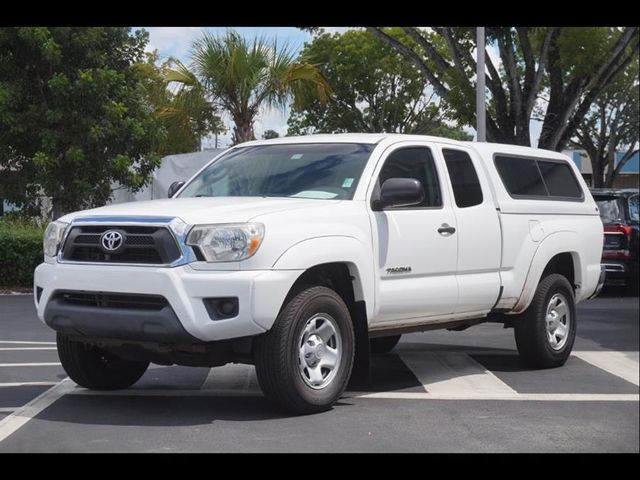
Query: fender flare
{"x": 548, "y": 248}
{"x": 335, "y": 249}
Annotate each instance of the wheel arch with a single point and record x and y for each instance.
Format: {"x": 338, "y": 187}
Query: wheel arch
{"x": 336, "y": 258}
{"x": 552, "y": 256}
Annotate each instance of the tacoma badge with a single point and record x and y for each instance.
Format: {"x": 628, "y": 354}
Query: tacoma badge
{"x": 399, "y": 270}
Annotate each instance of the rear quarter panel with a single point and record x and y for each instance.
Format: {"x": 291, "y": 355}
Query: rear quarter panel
{"x": 535, "y": 230}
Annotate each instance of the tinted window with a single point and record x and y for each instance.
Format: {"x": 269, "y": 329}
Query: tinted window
{"x": 633, "y": 208}
{"x": 611, "y": 209}
{"x": 537, "y": 178}
{"x": 464, "y": 179}
{"x": 521, "y": 176}
{"x": 559, "y": 179}
{"x": 319, "y": 170}
{"x": 417, "y": 163}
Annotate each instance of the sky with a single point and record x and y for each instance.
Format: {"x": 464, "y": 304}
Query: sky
{"x": 176, "y": 42}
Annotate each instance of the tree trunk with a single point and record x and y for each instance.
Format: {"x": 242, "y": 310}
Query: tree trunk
{"x": 56, "y": 209}
{"x": 597, "y": 169}
{"x": 610, "y": 164}
{"x": 522, "y": 131}
{"x": 243, "y": 129}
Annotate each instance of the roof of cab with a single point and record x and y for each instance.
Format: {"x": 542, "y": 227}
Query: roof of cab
{"x": 487, "y": 149}
{"x": 369, "y": 138}
{"x": 374, "y": 138}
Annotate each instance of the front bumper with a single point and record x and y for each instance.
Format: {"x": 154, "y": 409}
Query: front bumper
{"x": 260, "y": 295}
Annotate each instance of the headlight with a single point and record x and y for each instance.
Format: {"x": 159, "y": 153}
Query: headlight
{"x": 227, "y": 242}
{"x": 52, "y": 238}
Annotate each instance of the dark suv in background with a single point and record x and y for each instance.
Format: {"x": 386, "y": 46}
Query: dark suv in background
{"x": 619, "y": 213}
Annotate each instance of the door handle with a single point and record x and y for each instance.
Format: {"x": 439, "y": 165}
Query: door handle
{"x": 446, "y": 229}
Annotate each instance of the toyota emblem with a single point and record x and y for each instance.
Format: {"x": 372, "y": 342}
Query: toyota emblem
{"x": 111, "y": 241}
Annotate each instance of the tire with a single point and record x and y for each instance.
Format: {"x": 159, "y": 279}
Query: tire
{"x": 535, "y": 344}
{"x": 95, "y": 368}
{"x": 382, "y": 345}
{"x": 289, "y": 357}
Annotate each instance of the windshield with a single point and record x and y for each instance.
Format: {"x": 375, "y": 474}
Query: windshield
{"x": 303, "y": 170}
{"x": 611, "y": 209}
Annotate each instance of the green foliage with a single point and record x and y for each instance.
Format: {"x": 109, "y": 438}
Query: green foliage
{"x": 74, "y": 115}
{"x": 374, "y": 89}
{"x": 20, "y": 251}
{"x": 582, "y": 49}
{"x": 242, "y": 76}
{"x": 612, "y": 125}
{"x": 552, "y": 73}
{"x": 438, "y": 128}
{"x": 185, "y": 113}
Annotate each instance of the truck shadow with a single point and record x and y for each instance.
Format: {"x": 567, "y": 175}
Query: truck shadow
{"x": 610, "y": 291}
{"x": 172, "y": 396}
{"x": 414, "y": 366}
{"x": 159, "y": 411}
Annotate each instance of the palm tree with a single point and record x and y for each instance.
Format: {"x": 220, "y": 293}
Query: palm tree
{"x": 184, "y": 112}
{"x": 241, "y": 76}
{"x": 187, "y": 115}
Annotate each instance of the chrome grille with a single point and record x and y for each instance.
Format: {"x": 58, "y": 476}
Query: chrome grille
{"x": 142, "y": 245}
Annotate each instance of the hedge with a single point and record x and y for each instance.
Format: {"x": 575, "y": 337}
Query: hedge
{"x": 20, "y": 251}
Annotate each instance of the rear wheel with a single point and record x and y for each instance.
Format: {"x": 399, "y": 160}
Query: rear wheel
{"x": 304, "y": 361}
{"x": 545, "y": 332}
{"x": 95, "y": 368}
{"x": 381, "y": 345}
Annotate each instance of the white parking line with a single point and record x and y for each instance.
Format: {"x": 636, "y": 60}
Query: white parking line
{"x": 539, "y": 397}
{"x": 445, "y": 375}
{"x": 27, "y": 384}
{"x": 23, "y": 414}
{"x": 453, "y": 373}
{"x": 544, "y": 397}
{"x": 36, "y": 364}
{"x": 232, "y": 377}
{"x": 32, "y": 343}
{"x": 621, "y": 364}
{"x": 2, "y": 349}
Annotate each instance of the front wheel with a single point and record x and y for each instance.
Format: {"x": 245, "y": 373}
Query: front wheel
{"x": 304, "y": 361}
{"x": 545, "y": 332}
{"x": 95, "y": 368}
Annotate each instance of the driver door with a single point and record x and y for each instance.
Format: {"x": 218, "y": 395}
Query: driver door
{"x": 416, "y": 249}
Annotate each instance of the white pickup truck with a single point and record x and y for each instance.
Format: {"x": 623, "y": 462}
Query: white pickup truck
{"x": 303, "y": 255}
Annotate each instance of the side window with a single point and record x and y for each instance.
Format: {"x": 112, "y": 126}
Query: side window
{"x": 464, "y": 179}
{"x": 521, "y": 176}
{"x": 417, "y": 163}
{"x": 559, "y": 179}
{"x": 529, "y": 177}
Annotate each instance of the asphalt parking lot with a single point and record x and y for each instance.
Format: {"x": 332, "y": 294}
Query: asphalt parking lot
{"x": 436, "y": 392}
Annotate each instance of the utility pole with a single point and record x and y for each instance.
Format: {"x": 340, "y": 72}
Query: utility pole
{"x": 481, "y": 109}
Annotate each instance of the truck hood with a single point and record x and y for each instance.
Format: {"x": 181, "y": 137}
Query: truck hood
{"x": 204, "y": 209}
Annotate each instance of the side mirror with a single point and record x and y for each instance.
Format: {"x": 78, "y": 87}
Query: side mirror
{"x": 399, "y": 192}
{"x": 175, "y": 186}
